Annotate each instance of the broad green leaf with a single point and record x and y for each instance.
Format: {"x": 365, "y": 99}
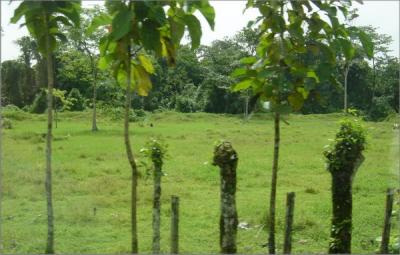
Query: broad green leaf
{"x": 121, "y": 24}
{"x": 248, "y": 60}
{"x": 194, "y": 28}
{"x": 25, "y": 8}
{"x": 208, "y": 12}
{"x": 264, "y": 74}
{"x": 177, "y": 30}
{"x": 347, "y": 48}
{"x": 98, "y": 21}
{"x": 243, "y": 85}
{"x": 146, "y": 63}
{"x": 142, "y": 80}
{"x": 150, "y": 35}
{"x": 312, "y": 74}
{"x": 103, "y": 63}
{"x": 367, "y": 43}
{"x": 238, "y": 72}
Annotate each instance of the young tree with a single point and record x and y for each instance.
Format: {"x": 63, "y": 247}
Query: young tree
{"x": 295, "y": 52}
{"x": 86, "y": 42}
{"x": 136, "y": 27}
{"x": 357, "y": 53}
{"x": 43, "y": 19}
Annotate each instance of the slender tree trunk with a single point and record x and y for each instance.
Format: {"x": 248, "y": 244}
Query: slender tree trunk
{"x": 156, "y": 207}
{"x": 131, "y": 159}
{"x": 94, "y": 118}
{"x": 374, "y": 77}
{"x": 48, "y": 183}
{"x": 346, "y": 72}
{"x": 55, "y": 116}
{"x": 272, "y": 205}
{"x": 1, "y": 142}
{"x": 246, "y": 106}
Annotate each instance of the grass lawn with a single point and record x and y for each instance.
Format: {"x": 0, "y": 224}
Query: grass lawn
{"x": 90, "y": 170}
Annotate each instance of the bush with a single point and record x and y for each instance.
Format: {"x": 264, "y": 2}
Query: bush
{"x": 7, "y": 124}
{"x": 185, "y": 104}
{"x": 39, "y": 104}
{"x": 78, "y": 102}
{"x": 380, "y": 109}
{"x": 118, "y": 113}
{"x": 13, "y": 112}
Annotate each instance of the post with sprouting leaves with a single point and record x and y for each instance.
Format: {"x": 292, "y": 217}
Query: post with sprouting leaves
{"x": 343, "y": 158}
{"x": 156, "y": 150}
{"x": 226, "y": 158}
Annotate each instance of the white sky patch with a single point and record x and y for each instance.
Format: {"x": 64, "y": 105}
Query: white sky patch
{"x": 229, "y": 19}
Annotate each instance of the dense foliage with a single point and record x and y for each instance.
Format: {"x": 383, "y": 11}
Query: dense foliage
{"x": 200, "y": 80}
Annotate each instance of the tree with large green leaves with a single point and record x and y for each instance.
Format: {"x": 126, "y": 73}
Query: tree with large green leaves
{"x": 137, "y": 28}
{"x": 296, "y": 50}
{"x": 43, "y": 20}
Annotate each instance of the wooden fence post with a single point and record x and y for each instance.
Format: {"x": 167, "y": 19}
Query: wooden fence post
{"x": 174, "y": 225}
{"x": 287, "y": 247}
{"x": 386, "y": 227}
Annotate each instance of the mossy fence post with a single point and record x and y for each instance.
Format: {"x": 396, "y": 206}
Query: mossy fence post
{"x": 287, "y": 246}
{"x": 386, "y": 227}
{"x": 174, "y": 225}
{"x": 225, "y": 157}
{"x": 344, "y": 157}
{"x": 156, "y": 151}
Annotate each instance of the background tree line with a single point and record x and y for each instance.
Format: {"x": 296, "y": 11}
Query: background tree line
{"x": 200, "y": 81}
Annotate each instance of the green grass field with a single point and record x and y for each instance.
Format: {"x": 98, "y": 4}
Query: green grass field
{"x": 91, "y": 171}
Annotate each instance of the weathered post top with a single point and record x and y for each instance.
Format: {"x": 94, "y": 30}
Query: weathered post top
{"x": 224, "y": 154}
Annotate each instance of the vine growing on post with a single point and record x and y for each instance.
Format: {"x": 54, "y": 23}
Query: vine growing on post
{"x": 156, "y": 151}
{"x": 43, "y": 20}
{"x": 297, "y": 46}
{"x": 344, "y": 156}
{"x": 138, "y": 28}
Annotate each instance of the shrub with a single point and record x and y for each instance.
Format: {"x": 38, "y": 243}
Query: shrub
{"x": 380, "y": 108}
{"x": 39, "y": 104}
{"x": 14, "y": 113}
{"x": 117, "y": 113}
{"x": 185, "y": 104}
{"x": 78, "y": 102}
{"x": 7, "y": 124}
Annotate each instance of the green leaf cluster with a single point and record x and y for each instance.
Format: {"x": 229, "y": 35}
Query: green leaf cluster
{"x": 137, "y": 27}
{"x": 296, "y": 51}
{"x": 347, "y": 147}
{"x": 44, "y": 18}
